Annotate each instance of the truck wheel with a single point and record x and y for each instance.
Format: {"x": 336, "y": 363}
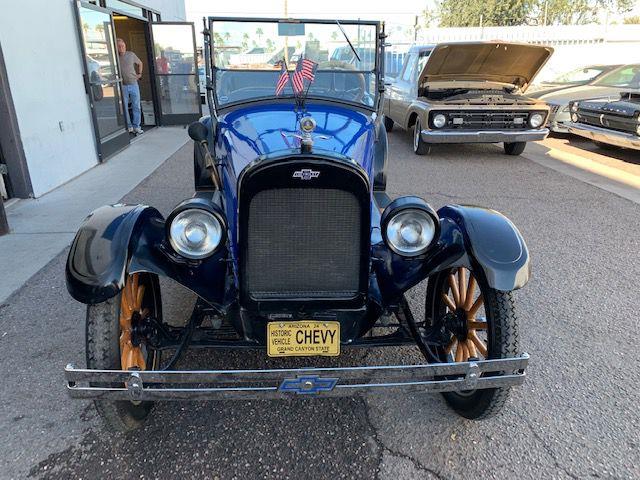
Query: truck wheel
{"x": 606, "y": 146}
{"x": 420, "y": 147}
{"x": 109, "y": 344}
{"x": 388, "y": 124}
{"x": 483, "y": 326}
{"x": 515, "y": 148}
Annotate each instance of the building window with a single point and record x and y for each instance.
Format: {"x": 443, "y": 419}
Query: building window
{"x": 125, "y": 8}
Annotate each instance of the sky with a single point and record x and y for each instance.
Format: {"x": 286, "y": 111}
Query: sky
{"x": 393, "y": 12}
{"x": 403, "y": 11}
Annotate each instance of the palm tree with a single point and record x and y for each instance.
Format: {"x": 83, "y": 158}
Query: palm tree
{"x": 259, "y": 33}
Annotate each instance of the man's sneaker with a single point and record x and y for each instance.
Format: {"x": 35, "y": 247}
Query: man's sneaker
{"x": 130, "y": 129}
{"x": 138, "y": 131}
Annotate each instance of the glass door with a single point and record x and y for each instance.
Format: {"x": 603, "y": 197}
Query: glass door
{"x": 102, "y": 78}
{"x": 176, "y": 72}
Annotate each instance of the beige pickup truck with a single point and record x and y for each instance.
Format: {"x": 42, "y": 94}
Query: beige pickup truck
{"x": 469, "y": 92}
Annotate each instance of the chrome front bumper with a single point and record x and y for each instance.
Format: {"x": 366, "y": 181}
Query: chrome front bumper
{"x": 604, "y": 135}
{"x": 281, "y": 383}
{"x": 484, "y": 136}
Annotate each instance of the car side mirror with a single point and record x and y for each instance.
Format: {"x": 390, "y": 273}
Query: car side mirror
{"x": 198, "y": 132}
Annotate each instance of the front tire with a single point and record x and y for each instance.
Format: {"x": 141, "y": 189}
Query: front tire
{"x": 515, "y": 148}
{"x": 606, "y": 146}
{"x": 420, "y": 147}
{"x": 493, "y": 336}
{"x": 388, "y": 124}
{"x": 106, "y": 350}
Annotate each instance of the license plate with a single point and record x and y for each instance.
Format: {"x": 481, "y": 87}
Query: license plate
{"x": 303, "y": 339}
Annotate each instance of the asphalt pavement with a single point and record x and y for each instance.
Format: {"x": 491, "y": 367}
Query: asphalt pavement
{"x": 577, "y": 416}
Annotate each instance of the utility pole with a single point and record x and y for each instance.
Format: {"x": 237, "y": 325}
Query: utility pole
{"x": 286, "y": 39}
{"x": 4, "y": 225}
{"x": 415, "y": 30}
{"x": 546, "y": 5}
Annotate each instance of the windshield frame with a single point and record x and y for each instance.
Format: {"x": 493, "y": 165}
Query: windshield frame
{"x": 211, "y": 69}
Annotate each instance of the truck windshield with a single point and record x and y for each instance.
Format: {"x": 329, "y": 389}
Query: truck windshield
{"x": 248, "y": 59}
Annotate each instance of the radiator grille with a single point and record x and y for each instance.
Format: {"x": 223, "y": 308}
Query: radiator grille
{"x": 303, "y": 243}
{"x": 613, "y": 122}
{"x": 479, "y": 120}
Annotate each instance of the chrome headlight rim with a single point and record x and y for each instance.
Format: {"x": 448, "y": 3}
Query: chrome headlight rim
{"x": 538, "y": 123}
{"x": 209, "y": 212}
{"x": 404, "y": 205}
{"x": 439, "y": 120}
{"x": 574, "y": 106}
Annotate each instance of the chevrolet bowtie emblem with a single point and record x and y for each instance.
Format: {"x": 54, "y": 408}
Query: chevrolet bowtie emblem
{"x": 306, "y": 174}
{"x": 307, "y": 385}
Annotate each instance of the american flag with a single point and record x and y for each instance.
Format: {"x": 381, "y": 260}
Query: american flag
{"x": 304, "y": 69}
{"x": 283, "y": 79}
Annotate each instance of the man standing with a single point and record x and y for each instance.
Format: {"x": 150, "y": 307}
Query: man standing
{"x": 130, "y": 89}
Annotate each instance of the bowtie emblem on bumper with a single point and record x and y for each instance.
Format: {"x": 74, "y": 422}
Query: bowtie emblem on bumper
{"x": 308, "y": 385}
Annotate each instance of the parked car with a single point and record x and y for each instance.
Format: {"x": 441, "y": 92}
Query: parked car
{"x": 469, "y": 93}
{"x": 573, "y": 78}
{"x": 609, "y": 85}
{"x": 294, "y": 248}
{"x": 608, "y": 123}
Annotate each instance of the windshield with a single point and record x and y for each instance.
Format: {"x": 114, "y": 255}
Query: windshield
{"x": 248, "y": 59}
{"x": 627, "y": 76}
{"x": 579, "y": 75}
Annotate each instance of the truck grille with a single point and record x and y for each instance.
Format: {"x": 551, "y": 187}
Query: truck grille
{"x": 487, "y": 120}
{"x": 302, "y": 239}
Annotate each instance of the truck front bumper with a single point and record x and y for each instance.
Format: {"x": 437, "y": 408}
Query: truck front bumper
{"x": 280, "y": 383}
{"x": 611, "y": 137}
{"x": 484, "y": 136}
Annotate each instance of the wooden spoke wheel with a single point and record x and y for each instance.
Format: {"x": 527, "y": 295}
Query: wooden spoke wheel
{"x": 112, "y": 344}
{"x": 133, "y": 354}
{"x": 481, "y": 324}
{"x": 464, "y": 300}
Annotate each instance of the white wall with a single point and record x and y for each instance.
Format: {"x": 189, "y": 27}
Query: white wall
{"x": 42, "y": 54}
{"x": 41, "y": 51}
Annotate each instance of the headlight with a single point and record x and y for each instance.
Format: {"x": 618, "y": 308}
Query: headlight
{"x": 574, "y": 106}
{"x": 574, "y": 117}
{"x": 439, "y": 120}
{"x": 536, "y": 120}
{"x": 195, "y": 233}
{"x": 410, "y": 226}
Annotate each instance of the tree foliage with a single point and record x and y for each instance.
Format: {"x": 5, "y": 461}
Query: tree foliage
{"x": 473, "y": 13}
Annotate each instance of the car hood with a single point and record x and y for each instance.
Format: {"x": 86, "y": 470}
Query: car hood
{"x": 501, "y": 62}
{"x": 264, "y": 130}
{"x": 584, "y": 92}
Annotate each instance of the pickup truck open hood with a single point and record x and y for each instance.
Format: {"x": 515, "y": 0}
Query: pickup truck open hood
{"x": 498, "y": 62}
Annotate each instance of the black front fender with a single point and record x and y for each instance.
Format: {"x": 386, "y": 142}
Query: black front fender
{"x": 101, "y": 250}
{"x": 121, "y": 239}
{"x": 472, "y": 237}
{"x": 494, "y": 243}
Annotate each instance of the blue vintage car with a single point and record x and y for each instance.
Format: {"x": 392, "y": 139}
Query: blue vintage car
{"x": 294, "y": 248}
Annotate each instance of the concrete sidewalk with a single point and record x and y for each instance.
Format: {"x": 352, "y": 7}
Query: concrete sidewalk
{"x": 41, "y": 228}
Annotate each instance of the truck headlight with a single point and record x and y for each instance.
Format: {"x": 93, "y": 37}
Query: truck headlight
{"x": 410, "y": 226}
{"x": 195, "y": 233}
{"x": 536, "y": 120}
{"x": 439, "y": 120}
